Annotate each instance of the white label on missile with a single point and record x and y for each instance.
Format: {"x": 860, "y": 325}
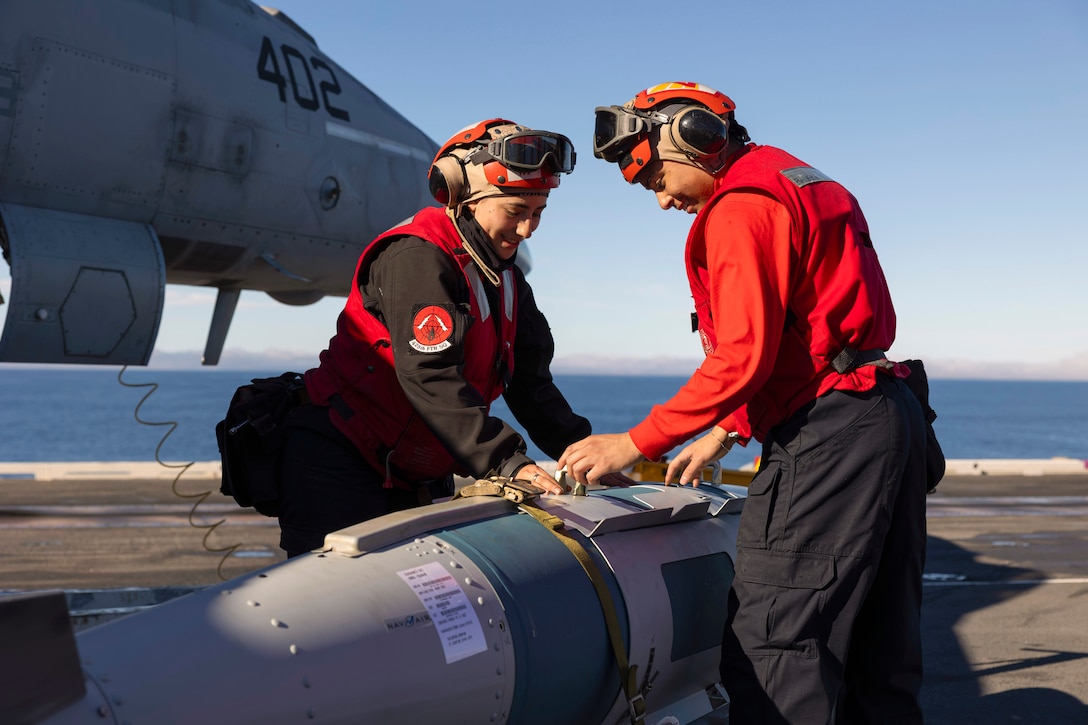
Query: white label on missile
{"x": 451, "y": 612}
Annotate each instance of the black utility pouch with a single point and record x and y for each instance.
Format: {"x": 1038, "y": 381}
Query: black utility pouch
{"x": 919, "y": 385}
{"x": 251, "y": 438}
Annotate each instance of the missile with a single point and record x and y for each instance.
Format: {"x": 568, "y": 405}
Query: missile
{"x": 600, "y": 608}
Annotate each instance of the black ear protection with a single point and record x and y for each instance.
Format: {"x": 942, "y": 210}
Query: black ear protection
{"x": 699, "y": 133}
{"x": 447, "y": 180}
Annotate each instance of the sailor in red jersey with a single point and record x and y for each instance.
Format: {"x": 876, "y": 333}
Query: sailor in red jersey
{"x": 822, "y": 622}
{"x": 436, "y": 319}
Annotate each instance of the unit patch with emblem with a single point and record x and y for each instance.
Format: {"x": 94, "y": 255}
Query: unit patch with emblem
{"x": 432, "y": 328}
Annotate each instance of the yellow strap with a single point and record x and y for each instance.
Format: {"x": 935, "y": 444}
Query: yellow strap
{"x": 628, "y": 673}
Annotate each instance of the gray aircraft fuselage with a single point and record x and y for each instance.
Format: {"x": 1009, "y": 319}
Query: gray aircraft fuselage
{"x": 196, "y": 142}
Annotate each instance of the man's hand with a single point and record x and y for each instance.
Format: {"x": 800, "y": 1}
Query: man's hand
{"x": 691, "y": 461}
{"x": 538, "y": 477}
{"x": 591, "y": 459}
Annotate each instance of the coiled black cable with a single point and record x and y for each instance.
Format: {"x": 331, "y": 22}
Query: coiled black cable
{"x": 182, "y": 468}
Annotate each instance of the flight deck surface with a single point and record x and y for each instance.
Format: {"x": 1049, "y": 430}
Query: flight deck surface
{"x": 1005, "y": 608}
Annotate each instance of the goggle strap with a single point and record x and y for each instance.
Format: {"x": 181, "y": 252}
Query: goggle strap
{"x": 479, "y": 155}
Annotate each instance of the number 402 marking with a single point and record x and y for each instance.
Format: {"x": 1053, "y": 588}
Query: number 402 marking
{"x": 268, "y": 69}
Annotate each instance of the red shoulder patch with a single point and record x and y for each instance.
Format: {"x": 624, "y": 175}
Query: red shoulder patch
{"x": 432, "y": 328}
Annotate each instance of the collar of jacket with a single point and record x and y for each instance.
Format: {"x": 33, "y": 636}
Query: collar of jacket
{"x": 473, "y": 235}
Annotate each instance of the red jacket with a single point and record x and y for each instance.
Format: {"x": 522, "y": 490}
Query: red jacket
{"x": 784, "y": 275}
{"x": 372, "y": 409}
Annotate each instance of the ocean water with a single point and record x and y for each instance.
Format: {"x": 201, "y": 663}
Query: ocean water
{"x": 107, "y": 414}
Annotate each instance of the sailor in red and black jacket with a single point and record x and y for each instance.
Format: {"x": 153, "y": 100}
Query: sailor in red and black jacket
{"x": 439, "y": 322}
{"x": 822, "y": 621}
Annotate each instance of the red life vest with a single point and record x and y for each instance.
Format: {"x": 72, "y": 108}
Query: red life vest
{"x": 372, "y": 409}
{"x": 843, "y": 299}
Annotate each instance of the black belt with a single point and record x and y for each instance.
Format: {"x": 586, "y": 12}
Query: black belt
{"x": 849, "y": 359}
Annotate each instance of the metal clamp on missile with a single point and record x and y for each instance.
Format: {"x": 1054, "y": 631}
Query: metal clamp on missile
{"x": 561, "y": 476}
{"x": 509, "y": 488}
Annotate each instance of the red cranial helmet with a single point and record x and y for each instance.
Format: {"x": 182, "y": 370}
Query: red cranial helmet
{"x": 686, "y": 122}
{"x": 498, "y": 156}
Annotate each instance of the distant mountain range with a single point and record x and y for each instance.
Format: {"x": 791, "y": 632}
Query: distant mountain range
{"x": 1075, "y": 368}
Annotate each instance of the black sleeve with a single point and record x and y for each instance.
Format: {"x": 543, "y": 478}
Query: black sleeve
{"x": 532, "y": 395}
{"x": 406, "y": 277}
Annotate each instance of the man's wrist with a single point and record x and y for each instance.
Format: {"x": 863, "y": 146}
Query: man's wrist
{"x": 726, "y": 441}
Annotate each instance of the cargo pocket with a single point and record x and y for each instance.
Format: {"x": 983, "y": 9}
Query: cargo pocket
{"x": 756, "y": 516}
{"x": 781, "y": 595}
{"x": 787, "y": 569}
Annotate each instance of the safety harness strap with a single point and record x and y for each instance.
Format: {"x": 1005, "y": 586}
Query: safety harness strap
{"x": 523, "y": 495}
{"x": 850, "y": 358}
{"x": 636, "y": 705}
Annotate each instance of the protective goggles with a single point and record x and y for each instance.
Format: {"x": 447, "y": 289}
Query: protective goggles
{"x": 618, "y": 129}
{"x": 694, "y": 130}
{"x": 530, "y": 150}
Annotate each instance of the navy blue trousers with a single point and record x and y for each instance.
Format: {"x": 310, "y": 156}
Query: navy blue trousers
{"x": 327, "y": 485}
{"x": 823, "y": 621}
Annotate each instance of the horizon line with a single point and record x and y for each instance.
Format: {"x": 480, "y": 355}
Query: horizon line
{"x": 1074, "y": 369}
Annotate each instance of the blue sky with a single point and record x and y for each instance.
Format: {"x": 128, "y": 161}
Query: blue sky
{"x": 959, "y": 125}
